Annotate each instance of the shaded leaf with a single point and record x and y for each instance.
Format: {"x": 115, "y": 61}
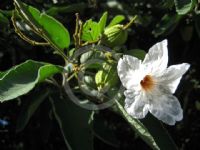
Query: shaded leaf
{"x": 160, "y": 134}
{"x": 107, "y": 77}
{"x": 197, "y": 24}
{"x": 4, "y": 22}
{"x": 89, "y": 81}
{"x": 104, "y": 132}
{"x": 91, "y": 55}
{"x": 187, "y": 33}
{"x": 140, "y": 54}
{"x": 29, "y": 108}
{"x": 73, "y": 8}
{"x": 22, "y": 78}
{"x": 167, "y": 24}
{"x": 73, "y": 122}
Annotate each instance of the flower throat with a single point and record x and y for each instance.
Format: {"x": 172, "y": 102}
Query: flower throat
{"x": 147, "y": 83}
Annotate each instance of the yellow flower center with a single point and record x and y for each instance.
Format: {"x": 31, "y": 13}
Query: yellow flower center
{"x": 147, "y": 83}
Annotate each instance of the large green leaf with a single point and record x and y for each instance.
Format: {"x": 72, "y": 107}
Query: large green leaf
{"x": 91, "y": 31}
{"x": 30, "y": 107}
{"x": 73, "y": 122}
{"x": 184, "y": 6}
{"x": 53, "y": 30}
{"x": 160, "y": 134}
{"x": 150, "y": 130}
{"x": 138, "y": 127}
{"x": 22, "y": 78}
{"x": 104, "y": 132}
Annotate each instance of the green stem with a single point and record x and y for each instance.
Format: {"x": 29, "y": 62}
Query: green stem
{"x": 40, "y": 32}
{"x": 130, "y": 23}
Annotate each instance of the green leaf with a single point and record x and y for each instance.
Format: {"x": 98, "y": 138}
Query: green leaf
{"x": 89, "y": 81}
{"x": 104, "y": 132}
{"x": 99, "y": 78}
{"x": 167, "y": 24}
{"x": 73, "y": 122}
{"x": 197, "y": 24}
{"x": 2, "y": 74}
{"x": 160, "y": 134}
{"x": 187, "y": 32}
{"x": 91, "y": 31}
{"x": 107, "y": 77}
{"x": 140, "y": 54}
{"x": 184, "y": 6}
{"x": 30, "y": 107}
{"x": 22, "y": 78}
{"x": 4, "y": 22}
{"x": 53, "y": 30}
{"x": 6, "y": 13}
{"x": 92, "y": 59}
{"x": 138, "y": 127}
{"x": 73, "y": 8}
{"x": 197, "y": 105}
{"x": 116, "y": 20}
{"x": 102, "y": 22}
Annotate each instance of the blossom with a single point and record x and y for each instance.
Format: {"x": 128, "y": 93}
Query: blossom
{"x": 150, "y": 84}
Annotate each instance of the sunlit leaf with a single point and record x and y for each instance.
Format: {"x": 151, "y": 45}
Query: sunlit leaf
{"x": 22, "y": 78}
{"x": 150, "y": 130}
{"x": 116, "y": 20}
{"x": 184, "y": 6}
{"x": 102, "y": 22}
{"x": 53, "y": 30}
{"x": 138, "y": 127}
{"x": 91, "y": 31}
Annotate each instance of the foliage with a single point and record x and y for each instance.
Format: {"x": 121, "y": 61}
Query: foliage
{"x": 77, "y": 46}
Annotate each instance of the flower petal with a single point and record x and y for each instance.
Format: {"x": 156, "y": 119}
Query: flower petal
{"x": 129, "y": 71}
{"x": 167, "y": 109}
{"x": 157, "y": 58}
{"x": 172, "y": 76}
{"x": 135, "y": 104}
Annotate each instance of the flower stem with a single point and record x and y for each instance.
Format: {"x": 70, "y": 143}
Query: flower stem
{"x": 129, "y": 23}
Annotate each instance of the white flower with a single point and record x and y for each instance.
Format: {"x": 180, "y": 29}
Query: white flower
{"x": 150, "y": 84}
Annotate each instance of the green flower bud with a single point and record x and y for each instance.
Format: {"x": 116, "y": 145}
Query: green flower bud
{"x": 114, "y": 36}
